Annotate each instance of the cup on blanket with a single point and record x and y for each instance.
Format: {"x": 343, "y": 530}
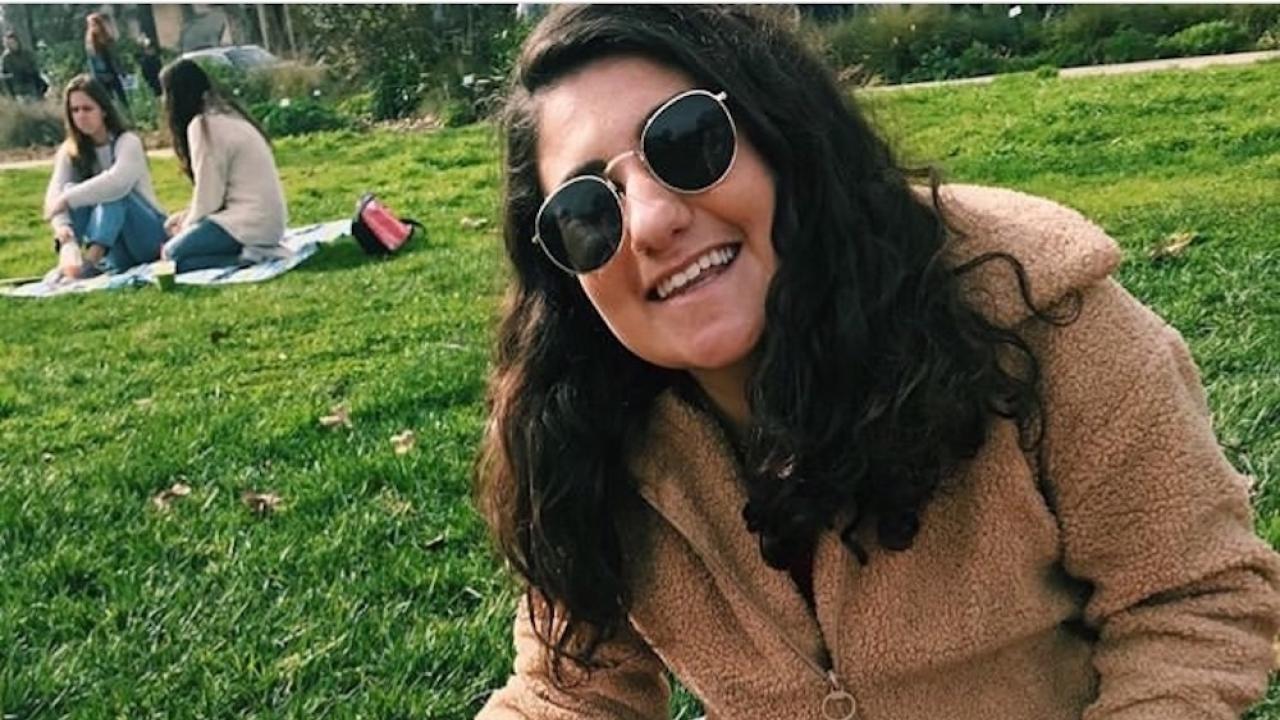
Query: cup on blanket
{"x": 162, "y": 272}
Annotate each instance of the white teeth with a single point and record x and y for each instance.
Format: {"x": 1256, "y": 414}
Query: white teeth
{"x": 709, "y": 259}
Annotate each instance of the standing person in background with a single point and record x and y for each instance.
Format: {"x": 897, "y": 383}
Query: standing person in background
{"x": 100, "y": 48}
{"x": 237, "y": 213}
{"x": 149, "y": 64}
{"x": 100, "y": 195}
{"x": 20, "y": 71}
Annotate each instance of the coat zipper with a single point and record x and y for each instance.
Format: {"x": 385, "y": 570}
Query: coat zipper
{"x": 838, "y": 703}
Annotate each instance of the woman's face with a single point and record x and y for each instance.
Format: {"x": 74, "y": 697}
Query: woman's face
{"x": 85, "y": 113}
{"x": 711, "y": 324}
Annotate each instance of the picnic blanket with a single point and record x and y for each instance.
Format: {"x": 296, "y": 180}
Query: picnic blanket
{"x": 303, "y": 241}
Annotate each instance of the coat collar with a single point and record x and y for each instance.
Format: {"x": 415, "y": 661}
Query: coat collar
{"x": 1059, "y": 249}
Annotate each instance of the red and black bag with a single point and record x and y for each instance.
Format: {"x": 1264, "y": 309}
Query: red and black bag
{"x": 378, "y": 230}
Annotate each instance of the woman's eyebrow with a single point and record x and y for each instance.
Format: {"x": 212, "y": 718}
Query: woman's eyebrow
{"x": 596, "y": 167}
{"x": 590, "y": 167}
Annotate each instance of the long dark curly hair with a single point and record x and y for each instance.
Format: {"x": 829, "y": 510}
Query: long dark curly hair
{"x": 874, "y": 380}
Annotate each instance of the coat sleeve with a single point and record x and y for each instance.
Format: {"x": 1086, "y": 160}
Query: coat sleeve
{"x": 632, "y": 686}
{"x": 209, "y": 168}
{"x": 1186, "y": 598}
{"x": 117, "y": 181}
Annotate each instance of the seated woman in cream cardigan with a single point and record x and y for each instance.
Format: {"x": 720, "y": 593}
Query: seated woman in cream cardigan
{"x": 237, "y": 213}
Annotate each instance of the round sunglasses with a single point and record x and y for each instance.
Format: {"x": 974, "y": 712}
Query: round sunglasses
{"x": 688, "y": 145}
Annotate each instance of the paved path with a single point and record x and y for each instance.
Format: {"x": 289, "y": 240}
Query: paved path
{"x": 1191, "y": 63}
{"x": 47, "y": 161}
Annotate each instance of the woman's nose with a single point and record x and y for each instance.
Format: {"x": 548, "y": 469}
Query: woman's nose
{"x": 655, "y": 216}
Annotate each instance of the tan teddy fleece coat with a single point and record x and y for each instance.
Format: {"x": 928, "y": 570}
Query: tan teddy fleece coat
{"x": 1142, "y": 594}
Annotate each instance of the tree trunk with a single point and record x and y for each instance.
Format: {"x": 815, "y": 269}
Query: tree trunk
{"x": 288, "y": 29}
{"x": 265, "y": 25}
{"x": 30, "y": 40}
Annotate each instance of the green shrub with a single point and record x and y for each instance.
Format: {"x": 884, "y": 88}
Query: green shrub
{"x": 288, "y": 117}
{"x": 409, "y": 53}
{"x": 891, "y": 41}
{"x": 397, "y": 90}
{"x": 1257, "y": 20}
{"x": 935, "y": 64}
{"x": 1207, "y": 38}
{"x": 250, "y": 88}
{"x": 977, "y": 59}
{"x": 1089, "y": 24}
{"x": 61, "y": 61}
{"x": 296, "y": 80}
{"x": 1270, "y": 39}
{"x": 28, "y": 124}
{"x": 1128, "y": 45}
{"x": 357, "y": 107}
{"x": 1046, "y": 72}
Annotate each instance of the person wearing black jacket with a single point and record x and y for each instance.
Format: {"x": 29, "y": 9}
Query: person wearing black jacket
{"x": 19, "y": 70}
{"x": 149, "y": 65}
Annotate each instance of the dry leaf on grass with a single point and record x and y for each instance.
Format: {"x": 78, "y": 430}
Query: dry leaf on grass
{"x": 260, "y": 503}
{"x": 471, "y": 223}
{"x": 404, "y": 442}
{"x": 339, "y": 415}
{"x": 435, "y": 543}
{"x": 1174, "y": 245}
{"x": 393, "y": 503}
{"x": 165, "y": 497}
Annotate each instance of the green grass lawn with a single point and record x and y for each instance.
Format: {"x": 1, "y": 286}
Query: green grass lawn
{"x": 370, "y": 591}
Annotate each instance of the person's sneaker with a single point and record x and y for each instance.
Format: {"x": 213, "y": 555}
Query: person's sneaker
{"x": 89, "y": 270}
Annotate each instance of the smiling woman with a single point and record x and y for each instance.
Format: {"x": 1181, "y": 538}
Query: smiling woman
{"x": 824, "y": 438}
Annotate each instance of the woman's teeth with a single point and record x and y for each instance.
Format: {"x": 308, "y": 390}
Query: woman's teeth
{"x": 712, "y": 258}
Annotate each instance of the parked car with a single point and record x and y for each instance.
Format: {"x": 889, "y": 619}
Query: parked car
{"x": 241, "y": 57}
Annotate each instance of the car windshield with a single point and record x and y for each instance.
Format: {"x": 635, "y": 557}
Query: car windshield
{"x": 250, "y": 56}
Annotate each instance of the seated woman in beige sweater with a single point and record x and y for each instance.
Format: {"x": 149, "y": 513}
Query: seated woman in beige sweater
{"x": 237, "y": 213}
{"x": 826, "y": 440}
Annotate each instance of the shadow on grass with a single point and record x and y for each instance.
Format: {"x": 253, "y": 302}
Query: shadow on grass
{"x": 341, "y": 255}
{"x": 346, "y": 254}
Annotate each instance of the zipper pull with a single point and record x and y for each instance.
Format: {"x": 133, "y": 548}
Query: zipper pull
{"x": 839, "y": 704}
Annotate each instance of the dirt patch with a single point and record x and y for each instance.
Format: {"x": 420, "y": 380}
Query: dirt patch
{"x": 423, "y": 123}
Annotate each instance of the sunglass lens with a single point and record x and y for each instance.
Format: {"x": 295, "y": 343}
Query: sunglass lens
{"x": 581, "y": 225}
{"x": 690, "y": 144}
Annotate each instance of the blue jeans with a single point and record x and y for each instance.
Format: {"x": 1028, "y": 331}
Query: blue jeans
{"x": 129, "y": 228}
{"x": 204, "y": 245}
